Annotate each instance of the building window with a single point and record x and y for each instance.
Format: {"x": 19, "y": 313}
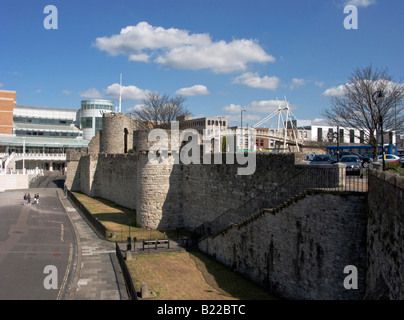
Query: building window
{"x": 362, "y": 137}
{"x": 98, "y": 124}
{"x": 341, "y": 135}
{"x": 86, "y": 122}
{"x": 319, "y": 134}
{"x": 352, "y": 136}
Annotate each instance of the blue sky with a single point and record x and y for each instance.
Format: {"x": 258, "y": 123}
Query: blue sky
{"x": 223, "y": 55}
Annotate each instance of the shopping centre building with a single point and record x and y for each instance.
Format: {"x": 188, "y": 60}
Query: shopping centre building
{"x": 37, "y": 138}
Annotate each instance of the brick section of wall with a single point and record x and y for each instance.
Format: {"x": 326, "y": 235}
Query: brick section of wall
{"x": 385, "y": 236}
{"x": 7, "y": 104}
{"x": 300, "y": 251}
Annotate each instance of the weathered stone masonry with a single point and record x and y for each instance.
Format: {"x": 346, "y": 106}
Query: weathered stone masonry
{"x": 385, "y": 245}
{"x": 298, "y": 251}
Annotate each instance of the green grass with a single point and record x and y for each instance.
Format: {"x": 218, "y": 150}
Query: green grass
{"x": 191, "y": 276}
{"x": 121, "y": 221}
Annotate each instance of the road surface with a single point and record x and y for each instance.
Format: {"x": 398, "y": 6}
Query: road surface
{"x": 37, "y": 247}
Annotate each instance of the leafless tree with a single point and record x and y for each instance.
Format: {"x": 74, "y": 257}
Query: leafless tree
{"x": 159, "y": 110}
{"x": 370, "y": 101}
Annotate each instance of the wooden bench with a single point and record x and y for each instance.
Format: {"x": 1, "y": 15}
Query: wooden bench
{"x": 156, "y": 243}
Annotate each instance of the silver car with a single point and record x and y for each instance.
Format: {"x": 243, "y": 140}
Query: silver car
{"x": 353, "y": 165}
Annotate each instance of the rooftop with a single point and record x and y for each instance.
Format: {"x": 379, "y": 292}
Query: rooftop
{"x": 11, "y": 140}
{"x": 45, "y": 127}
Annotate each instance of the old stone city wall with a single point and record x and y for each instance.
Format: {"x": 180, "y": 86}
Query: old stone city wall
{"x": 300, "y": 251}
{"x": 385, "y": 243}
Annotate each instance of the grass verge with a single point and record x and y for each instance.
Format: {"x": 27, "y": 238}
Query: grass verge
{"x": 121, "y": 221}
{"x": 191, "y": 276}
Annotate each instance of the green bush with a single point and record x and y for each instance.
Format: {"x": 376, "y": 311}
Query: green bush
{"x": 395, "y": 167}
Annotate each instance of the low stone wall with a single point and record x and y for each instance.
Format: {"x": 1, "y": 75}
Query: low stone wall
{"x": 385, "y": 242}
{"x": 300, "y": 251}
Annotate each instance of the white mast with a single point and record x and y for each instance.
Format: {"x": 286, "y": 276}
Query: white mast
{"x": 120, "y": 93}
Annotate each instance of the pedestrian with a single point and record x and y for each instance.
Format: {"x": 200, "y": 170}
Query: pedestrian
{"x": 25, "y": 199}
{"x": 29, "y": 198}
{"x": 37, "y": 198}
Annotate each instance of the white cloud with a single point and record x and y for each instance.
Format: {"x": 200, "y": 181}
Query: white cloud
{"x": 297, "y": 83}
{"x": 91, "y": 94}
{"x": 131, "y": 93}
{"x": 340, "y": 90}
{"x": 179, "y": 49}
{"x": 254, "y": 111}
{"x": 134, "y": 108}
{"x": 38, "y": 91}
{"x": 253, "y": 80}
{"x": 67, "y": 92}
{"x": 360, "y": 3}
{"x": 335, "y": 91}
{"x": 257, "y": 107}
{"x": 248, "y": 119}
{"x": 196, "y": 90}
{"x": 232, "y": 108}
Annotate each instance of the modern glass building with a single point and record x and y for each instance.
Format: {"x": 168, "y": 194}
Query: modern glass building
{"x": 90, "y": 116}
{"x": 38, "y": 137}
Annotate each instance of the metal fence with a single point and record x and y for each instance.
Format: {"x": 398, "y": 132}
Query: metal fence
{"x": 89, "y": 216}
{"x": 330, "y": 178}
{"x": 130, "y": 288}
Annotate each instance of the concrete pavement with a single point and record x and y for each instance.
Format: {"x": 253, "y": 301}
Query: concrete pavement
{"x": 98, "y": 275}
{"x": 53, "y": 233}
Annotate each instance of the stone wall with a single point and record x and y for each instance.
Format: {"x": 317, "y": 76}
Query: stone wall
{"x": 115, "y": 178}
{"x": 159, "y": 194}
{"x": 211, "y": 189}
{"x": 385, "y": 236}
{"x": 300, "y": 251}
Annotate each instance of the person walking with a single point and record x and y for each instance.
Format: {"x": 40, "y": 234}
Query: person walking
{"x": 29, "y": 198}
{"x": 25, "y": 199}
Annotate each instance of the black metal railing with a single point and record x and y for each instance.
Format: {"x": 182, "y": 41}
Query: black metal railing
{"x": 97, "y": 224}
{"x": 335, "y": 178}
{"x": 130, "y": 288}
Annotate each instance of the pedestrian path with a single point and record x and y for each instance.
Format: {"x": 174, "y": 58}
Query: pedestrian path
{"x": 97, "y": 274}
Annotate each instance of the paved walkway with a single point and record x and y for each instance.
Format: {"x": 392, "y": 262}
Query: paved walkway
{"x": 97, "y": 274}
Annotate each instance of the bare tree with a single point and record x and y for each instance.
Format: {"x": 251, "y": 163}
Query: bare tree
{"x": 370, "y": 101}
{"x": 159, "y": 110}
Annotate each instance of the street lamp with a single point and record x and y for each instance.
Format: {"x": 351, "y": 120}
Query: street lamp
{"x": 378, "y": 96}
{"x": 242, "y": 131}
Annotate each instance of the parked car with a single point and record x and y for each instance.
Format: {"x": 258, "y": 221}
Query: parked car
{"x": 364, "y": 158}
{"x": 401, "y": 160}
{"x": 390, "y": 158}
{"x": 353, "y": 165}
{"x": 322, "y": 159}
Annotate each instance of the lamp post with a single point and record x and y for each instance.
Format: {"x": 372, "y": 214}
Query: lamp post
{"x": 220, "y": 138}
{"x": 378, "y": 96}
{"x": 242, "y": 131}
{"x": 23, "y": 155}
